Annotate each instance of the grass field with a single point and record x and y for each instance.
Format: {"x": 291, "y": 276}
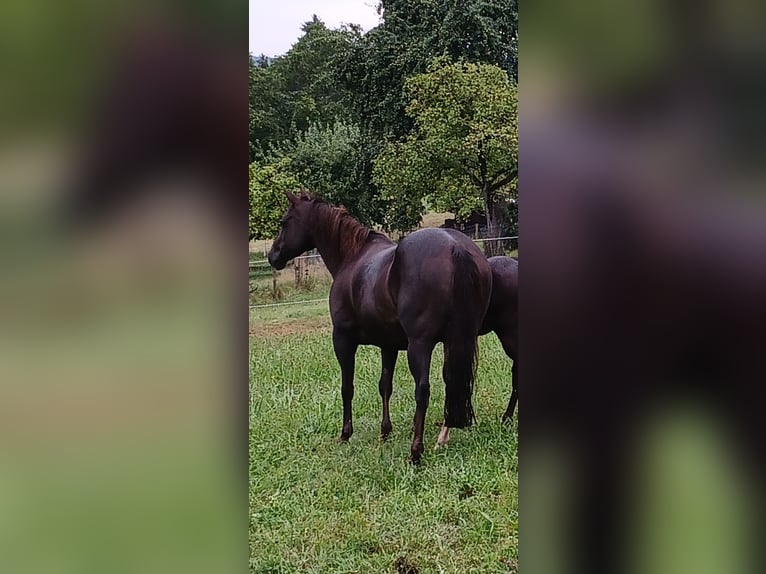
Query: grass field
{"x": 319, "y": 506}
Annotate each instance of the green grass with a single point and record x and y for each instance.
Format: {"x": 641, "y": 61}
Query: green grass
{"x": 270, "y": 317}
{"x": 261, "y": 292}
{"x": 319, "y": 506}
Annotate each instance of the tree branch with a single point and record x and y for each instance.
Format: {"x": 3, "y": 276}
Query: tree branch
{"x": 508, "y": 178}
{"x": 502, "y": 173}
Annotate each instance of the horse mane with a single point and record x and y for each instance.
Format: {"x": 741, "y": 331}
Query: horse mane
{"x": 338, "y": 225}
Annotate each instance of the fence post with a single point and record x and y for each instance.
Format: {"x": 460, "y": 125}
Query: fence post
{"x": 274, "y": 283}
{"x": 297, "y": 270}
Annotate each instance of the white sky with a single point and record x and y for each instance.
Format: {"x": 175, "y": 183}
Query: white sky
{"x": 275, "y": 25}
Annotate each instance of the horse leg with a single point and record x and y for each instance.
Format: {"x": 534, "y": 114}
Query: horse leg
{"x": 385, "y": 387}
{"x": 443, "y": 438}
{"x": 510, "y": 349}
{"x": 345, "y": 351}
{"x": 508, "y": 415}
{"x": 419, "y": 359}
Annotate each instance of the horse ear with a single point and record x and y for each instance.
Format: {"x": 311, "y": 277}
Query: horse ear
{"x": 291, "y": 197}
{"x": 304, "y": 193}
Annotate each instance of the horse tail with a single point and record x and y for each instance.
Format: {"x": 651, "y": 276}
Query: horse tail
{"x": 461, "y": 339}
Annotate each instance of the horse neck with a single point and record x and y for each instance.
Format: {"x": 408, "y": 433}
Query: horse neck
{"x": 336, "y": 240}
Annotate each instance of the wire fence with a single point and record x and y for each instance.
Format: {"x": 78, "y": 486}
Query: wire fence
{"x": 264, "y": 264}
{"x": 265, "y": 305}
{"x": 305, "y": 272}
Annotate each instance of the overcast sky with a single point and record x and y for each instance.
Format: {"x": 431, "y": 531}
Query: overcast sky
{"x": 276, "y": 25}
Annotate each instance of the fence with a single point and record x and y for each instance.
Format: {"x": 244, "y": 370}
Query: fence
{"x": 305, "y": 272}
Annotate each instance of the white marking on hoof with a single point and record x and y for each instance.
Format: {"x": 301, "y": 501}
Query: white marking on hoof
{"x": 443, "y": 438}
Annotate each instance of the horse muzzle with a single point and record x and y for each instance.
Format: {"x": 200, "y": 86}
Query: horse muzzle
{"x": 276, "y": 261}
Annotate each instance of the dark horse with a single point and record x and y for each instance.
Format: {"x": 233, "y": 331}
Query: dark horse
{"x": 502, "y": 318}
{"x": 434, "y": 286}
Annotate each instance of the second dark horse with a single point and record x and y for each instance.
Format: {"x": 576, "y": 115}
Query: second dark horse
{"x": 434, "y": 286}
{"x": 503, "y": 317}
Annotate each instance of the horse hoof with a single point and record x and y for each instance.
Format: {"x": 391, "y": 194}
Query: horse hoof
{"x": 343, "y": 439}
{"x": 443, "y": 438}
{"x": 416, "y": 453}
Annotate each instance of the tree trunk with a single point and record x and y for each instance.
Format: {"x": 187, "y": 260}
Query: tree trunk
{"x": 491, "y": 248}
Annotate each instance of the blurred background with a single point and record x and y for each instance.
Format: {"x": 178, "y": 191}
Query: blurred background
{"x": 643, "y": 290}
{"x": 123, "y": 146}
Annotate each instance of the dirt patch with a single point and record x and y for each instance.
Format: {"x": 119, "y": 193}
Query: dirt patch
{"x": 466, "y": 491}
{"x": 296, "y": 327}
{"x": 404, "y": 566}
{"x": 435, "y": 219}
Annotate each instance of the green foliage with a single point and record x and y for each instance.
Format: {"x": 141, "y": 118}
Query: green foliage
{"x": 413, "y": 32}
{"x": 268, "y": 183}
{"x": 289, "y": 93}
{"x": 335, "y": 162}
{"x": 462, "y": 154}
{"x": 331, "y": 104}
{"x": 269, "y": 107}
{"x": 406, "y": 195}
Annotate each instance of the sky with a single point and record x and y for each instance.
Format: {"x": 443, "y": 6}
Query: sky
{"x": 276, "y": 25}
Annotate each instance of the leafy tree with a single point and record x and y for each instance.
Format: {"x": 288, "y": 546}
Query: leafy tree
{"x": 268, "y": 183}
{"x": 293, "y": 91}
{"x": 335, "y": 162}
{"x": 324, "y": 111}
{"x": 462, "y": 154}
{"x": 270, "y": 107}
{"x": 310, "y": 71}
{"x": 412, "y": 33}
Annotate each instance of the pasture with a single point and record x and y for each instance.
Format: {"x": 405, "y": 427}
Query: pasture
{"x": 320, "y": 506}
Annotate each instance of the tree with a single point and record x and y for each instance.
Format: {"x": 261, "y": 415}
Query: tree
{"x": 300, "y": 88}
{"x": 268, "y": 183}
{"x": 335, "y": 162}
{"x": 412, "y": 33}
{"x": 336, "y": 97}
{"x": 269, "y": 109}
{"x": 462, "y": 153}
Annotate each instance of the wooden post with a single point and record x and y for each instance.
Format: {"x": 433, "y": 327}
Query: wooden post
{"x": 274, "y": 283}
{"x": 297, "y": 270}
